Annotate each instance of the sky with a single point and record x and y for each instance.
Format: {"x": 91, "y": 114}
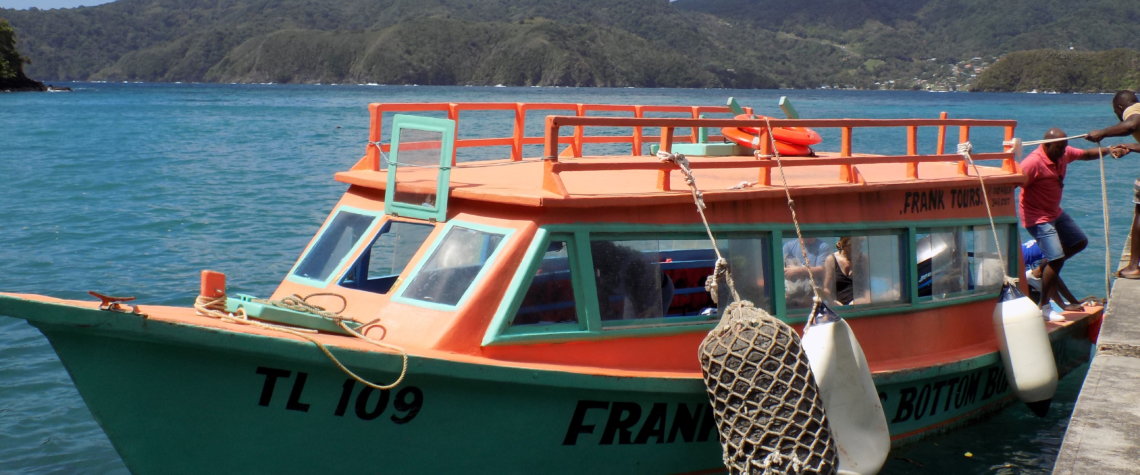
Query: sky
{"x": 49, "y": 4}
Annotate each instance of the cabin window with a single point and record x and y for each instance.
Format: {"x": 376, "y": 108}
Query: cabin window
{"x": 953, "y": 261}
{"x": 854, "y": 269}
{"x": 943, "y": 267}
{"x": 803, "y": 267}
{"x": 550, "y": 297}
{"x": 333, "y": 245}
{"x": 452, "y": 267}
{"x": 750, "y": 261}
{"x": 986, "y": 271}
{"x": 380, "y": 265}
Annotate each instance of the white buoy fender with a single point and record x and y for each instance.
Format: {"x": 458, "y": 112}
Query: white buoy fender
{"x": 1025, "y": 349}
{"x": 858, "y": 425}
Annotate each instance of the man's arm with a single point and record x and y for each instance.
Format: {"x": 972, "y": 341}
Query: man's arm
{"x": 1125, "y": 127}
{"x": 1095, "y": 153}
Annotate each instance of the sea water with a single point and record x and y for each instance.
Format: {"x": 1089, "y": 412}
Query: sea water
{"x": 132, "y": 189}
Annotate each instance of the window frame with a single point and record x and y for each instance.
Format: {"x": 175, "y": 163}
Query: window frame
{"x": 339, "y": 270}
{"x": 398, "y": 294}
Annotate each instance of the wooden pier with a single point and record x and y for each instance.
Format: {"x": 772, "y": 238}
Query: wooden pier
{"x": 1104, "y": 433}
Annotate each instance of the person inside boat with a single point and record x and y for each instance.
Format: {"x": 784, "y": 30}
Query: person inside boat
{"x": 1040, "y": 208}
{"x": 628, "y": 284}
{"x": 1127, "y": 109}
{"x": 798, "y": 273}
{"x": 1034, "y": 266}
{"x": 837, "y": 273}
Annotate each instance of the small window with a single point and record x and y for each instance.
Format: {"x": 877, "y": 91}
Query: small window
{"x": 445, "y": 277}
{"x": 943, "y": 266}
{"x": 550, "y": 297}
{"x": 799, "y": 273}
{"x": 379, "y": 266}
{"x": 865, "y": 269}
{"x": 334, "y": 244}
{"x": 986, "y": 272}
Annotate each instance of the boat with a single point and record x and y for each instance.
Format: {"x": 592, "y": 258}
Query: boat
{"x": 522, "y": 287}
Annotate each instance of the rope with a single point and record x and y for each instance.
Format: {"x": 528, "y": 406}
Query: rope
{"x": 1060, "y": 139}
{"x": 792, "y": 208}
{"x": 1104, "y": 209}
{"x": 964, "y": 150}
{"x": 215, "y": 308}
{"x": 721, "y": 268}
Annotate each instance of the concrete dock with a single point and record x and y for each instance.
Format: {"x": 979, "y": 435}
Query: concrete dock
{"x": 1104, "y": 433}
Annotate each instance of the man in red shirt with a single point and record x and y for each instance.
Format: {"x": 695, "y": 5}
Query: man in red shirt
{"x": 1040, "y": 206}
{"x": 1127, "y": 109}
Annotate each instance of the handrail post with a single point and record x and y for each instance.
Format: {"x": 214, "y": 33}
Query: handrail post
{"x": 520, "y": 130}
{"x": 666, "y": 139}
{"x": 638, "y": 112}
{"x": 941, "y": 148}
{"x": 963, "y": 137}
{"x": 372, "y": 151}
{"x": 1009, "y": 164}
{"x": 453, "y": 114}
{"x": 912, "y": 150}
{"x": 846, "y": 171}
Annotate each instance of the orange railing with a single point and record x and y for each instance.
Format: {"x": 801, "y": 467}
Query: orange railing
{"x": 518, "y": 138}
{"x": 846, "y": 159}
{"x": 581, "y": 116}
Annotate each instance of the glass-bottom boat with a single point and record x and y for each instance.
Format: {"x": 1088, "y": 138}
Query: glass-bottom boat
{"x": 544, "y": 313}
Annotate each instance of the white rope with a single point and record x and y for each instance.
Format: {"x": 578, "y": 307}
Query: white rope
{"x": 1104, "y": 208}
{"x": 792, "y": 208}
{"x": 964, "y": 150}
{"x": 1039, "y": 142}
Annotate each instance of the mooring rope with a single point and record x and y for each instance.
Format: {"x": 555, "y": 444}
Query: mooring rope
{"x": 216, "y": 308}
{"x": 1104, "y": 210}
{"x": 1058, "y": 139}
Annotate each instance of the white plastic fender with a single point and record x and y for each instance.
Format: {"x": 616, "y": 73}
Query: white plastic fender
{"x": 858, "y": 425}
{"x": 1025, "y": 349}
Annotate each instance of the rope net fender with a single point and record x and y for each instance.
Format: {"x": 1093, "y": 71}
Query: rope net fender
{"x": 769, "y": 413}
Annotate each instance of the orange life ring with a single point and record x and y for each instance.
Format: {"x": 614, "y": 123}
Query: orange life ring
{"x": 749, "y": 140}
{"x": 792, "y": 135}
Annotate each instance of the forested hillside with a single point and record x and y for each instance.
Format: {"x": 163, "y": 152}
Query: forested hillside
{"x": 649, "y": 43}
{"x": 12, "y": 76}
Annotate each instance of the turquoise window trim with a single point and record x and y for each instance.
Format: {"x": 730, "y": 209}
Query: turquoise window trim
{"x": 507, "y": 233}
{"x": 590, "y": 324}
{"x": 338, "y": 271}
{"x": 446, "y": 128}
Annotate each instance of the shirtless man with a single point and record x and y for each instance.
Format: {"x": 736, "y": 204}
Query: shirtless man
{"x": 1127, "y": 109}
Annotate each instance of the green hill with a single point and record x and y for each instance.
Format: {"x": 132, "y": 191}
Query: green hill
{"x": 12, "y": 76}
{"x": 647, "y": 43}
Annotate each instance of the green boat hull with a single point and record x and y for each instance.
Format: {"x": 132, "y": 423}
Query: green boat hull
{"x": 178, "y": 398}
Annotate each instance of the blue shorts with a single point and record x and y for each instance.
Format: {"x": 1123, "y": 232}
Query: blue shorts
{"x": 1053, "y": 237}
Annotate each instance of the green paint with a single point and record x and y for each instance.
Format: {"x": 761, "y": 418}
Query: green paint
{"x": 402, "y": 124}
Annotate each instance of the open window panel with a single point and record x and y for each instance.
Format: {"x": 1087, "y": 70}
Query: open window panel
{"x": 419, "y": 168}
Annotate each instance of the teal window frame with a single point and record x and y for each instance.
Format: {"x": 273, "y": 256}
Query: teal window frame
{"x": 506, "y": 233}
{"x": 590, "y": 326}
{"x": 350, "y": 256}
{"x": 446, "y": 128}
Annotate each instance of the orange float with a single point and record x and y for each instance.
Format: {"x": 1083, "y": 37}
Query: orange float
{"x": 789, "y": 140}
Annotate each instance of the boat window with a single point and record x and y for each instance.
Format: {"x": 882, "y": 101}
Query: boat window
{"x": 943, "y": 264}
{"x": 750, "y": 261}
{"x": 953, "y": 261}
{"x": 333, "y": 245}
{"x": 802, "y": 264}
{"x": 447, "y": 274}
{"x": 865, "y": 269}
{"x": 550, "y": 297}
{"x": 379, "y": 266}
{"x": 986, "y": 271}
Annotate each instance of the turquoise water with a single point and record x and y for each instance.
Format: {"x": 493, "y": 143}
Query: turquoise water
{"x": 131, "y": 189}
